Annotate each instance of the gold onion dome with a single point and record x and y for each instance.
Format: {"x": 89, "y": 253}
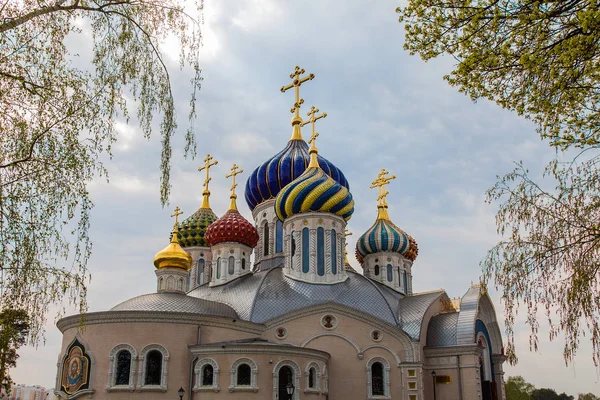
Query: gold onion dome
{"x": 314, "y": 190}
{"x": 173, "y": 256}
{"x": 383, "y": 235}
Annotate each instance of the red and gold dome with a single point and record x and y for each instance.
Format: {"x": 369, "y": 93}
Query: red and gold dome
{"x": 232, "y": 227}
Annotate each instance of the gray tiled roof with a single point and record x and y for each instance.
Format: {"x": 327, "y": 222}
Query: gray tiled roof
{"x": 466, "y": 318}
{"x": 175, "y": 302}
{"x": 411, "y": 310}
{"x": 442, "y": 330}
{"x": 266, "y": 295}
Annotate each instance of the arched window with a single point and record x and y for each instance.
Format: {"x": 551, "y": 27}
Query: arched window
{"x": 390, "y": 273}
{"x": 161, "y": 283}
{"x": 266, "y": 239}
{"x": 123, "y": 368}
{"x": 333, "y": 252}
{"x": 244, "y": 375}
{"x": 320, "y": 251}
{"x": 207, "y": 375}
{"x": 219, "y": 268}
{"x": 200, "y": 271}
{"x": 278, "y": 236}
{"x": 244, "y": 372}
{"x": 243, "y": 263}
{"x": 378, "y": 378}
{"x": 293, "y": 244}
{"x": 180, "y": 284}
{"x": 305, "y": 250}
{"x": 284, "y": 373}
{"x": 153, "y": 368}
{"x": 376, "y": 270}
{"x": 231, "y": 266}
{"x": 405, "y": 281}
{"x": 313, "y": 378}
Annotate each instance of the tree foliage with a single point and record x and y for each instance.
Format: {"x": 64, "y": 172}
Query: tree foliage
{"x": 540, "y": 59}
{"x": 14, "y": 329}
{"x": 58, "y": 121}
{"x": 516, "y": 388}
{"x": 587, "y": 396}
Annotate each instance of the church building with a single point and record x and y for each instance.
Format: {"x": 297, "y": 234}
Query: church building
{"x": 271, "y": 308}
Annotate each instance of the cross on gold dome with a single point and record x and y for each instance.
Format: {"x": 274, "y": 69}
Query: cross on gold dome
{"x": 297, "y": 81}
{"x": 176, "y": 214}
{"x": 208, "y": 162}
{"x": 380, "y": 183}
{"x": 313, "y": 118}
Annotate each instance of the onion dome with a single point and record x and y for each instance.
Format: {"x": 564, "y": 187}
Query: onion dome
{"x": 383, "y": 235}
{"x": 173, "y": 256}
{"x": 269, "y": 178}
{"x": 314, "y": 190}
{"x": 232, "y": 227}
{"x": 192, "y": 230}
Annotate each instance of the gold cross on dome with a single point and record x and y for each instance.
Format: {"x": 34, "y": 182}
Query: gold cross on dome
{"x": 297, "y": 81}
{"x": 235, "y": 170}
{"x": 177, "y": 213}
{"x": 208, "y": 162}
{"x": 380, "y": 183}
{"x": 313, "y": 118}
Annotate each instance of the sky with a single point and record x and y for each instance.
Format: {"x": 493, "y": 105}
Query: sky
{"x": 386, "y": 109}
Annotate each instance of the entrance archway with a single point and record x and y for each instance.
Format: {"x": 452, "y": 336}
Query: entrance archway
{"x": 286, "y": 376}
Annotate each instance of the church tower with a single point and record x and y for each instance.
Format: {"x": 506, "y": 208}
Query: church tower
{"x": 192, "y": 233}
{"x": 172, "y": 264}
{"x": 385, "y": 251}
{"x": 231, "y": 239}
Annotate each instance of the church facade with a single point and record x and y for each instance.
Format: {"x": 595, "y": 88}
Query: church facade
{"x": 295, "y": 321}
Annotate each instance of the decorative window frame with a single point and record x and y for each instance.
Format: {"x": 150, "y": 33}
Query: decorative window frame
{"x": 198, "y": 373}
{"x": 325, "y": 380}
{"x": 334, "y": 322}
{"x": 386, "y": 379}
{"x": 164, "y": 372}
{"x": 317, "y": 388}
{"x": 297, "y": 373}
{"x": 113, "y": 365}
{"x": 233, "y": 386}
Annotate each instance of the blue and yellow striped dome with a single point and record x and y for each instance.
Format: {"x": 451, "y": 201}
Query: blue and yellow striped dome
{"x": 385, "y": 236}
{"x": 314, "y": 190}
{"x": 269, "y": 178}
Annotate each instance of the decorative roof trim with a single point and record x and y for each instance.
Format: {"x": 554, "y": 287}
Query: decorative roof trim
{"x": 254, "y": 348}
{"x": 117, "y": 317}
{"x": 458, "y": 350}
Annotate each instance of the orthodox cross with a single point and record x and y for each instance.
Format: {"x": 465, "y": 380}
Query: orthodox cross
{"x": 297, "y": 81}
{"x": 208, "y": 162}
{"x": 177, "y": 213}
{"x": 313, "y": 118}
{"x": 235, "y": 170}
{"x": 380, "y": 183}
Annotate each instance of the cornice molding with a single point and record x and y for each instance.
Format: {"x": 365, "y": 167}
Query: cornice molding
{"x": 119, "y": 317}
{"x": 201, "y": 350}
{"x": 459, "y": 350}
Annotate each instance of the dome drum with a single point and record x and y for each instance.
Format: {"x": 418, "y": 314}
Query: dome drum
{"x": 269, "y": 235}
{"x": 229, "y": 261}
{"x": 390, "y": 269}
{"x": 314, "y": 243}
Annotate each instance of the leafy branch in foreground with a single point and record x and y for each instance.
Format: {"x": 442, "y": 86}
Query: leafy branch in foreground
{"x": 58, "y": 119}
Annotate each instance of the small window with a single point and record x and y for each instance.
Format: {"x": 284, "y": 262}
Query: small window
{"x": 278, "y": 236}
{"x": 153, "y": 368}
{"x": 377, "y": 379}
{"x": 376, "y": 270}
{"x": 305, "y": 250}
{"x": 200, "y": 271}
{"x": 320, "y": 251}
{"x": 405, "y": 281}
{"x": 333, "y": 252}
{"x": 293, "y": 243}
{"x": 123, "y": 368}
{"x": 266, "y": 239}
{"x": 207, "y": 375}
{"x": 390, "y": 273}
{"x": 231, "y": 266}
{"x": 243, "y": 263}
{"x": 219, "y": 268}
{"x": 412, "y": 385}
{"x": 412, "y": 372}
{"x": 244, "y": 375}
{"x": 311, "y": 378}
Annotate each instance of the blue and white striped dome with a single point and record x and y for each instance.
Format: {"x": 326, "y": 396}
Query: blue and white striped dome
{"x": 385, "y": 236}
{"x": 273, "y": 175}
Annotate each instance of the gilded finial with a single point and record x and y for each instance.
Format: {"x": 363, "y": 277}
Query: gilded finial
{"x": 313, "y": 148}
{"x": 380, "y": 183}
{"x": 297, "y": 81}
{"x": 208, "y": 162}
{"x": 346, "y": 234}
{"x": 235, "y": 170}
{"x": 176, "y": 214}
{"x": 175, "y": 234}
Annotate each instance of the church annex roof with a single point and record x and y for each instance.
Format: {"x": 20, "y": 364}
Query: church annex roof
{"x": 175, "y": 302}
{"x": 266, "y": 295}
{"x": 442, "y": 330}
{"x": 412, "y": 309}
